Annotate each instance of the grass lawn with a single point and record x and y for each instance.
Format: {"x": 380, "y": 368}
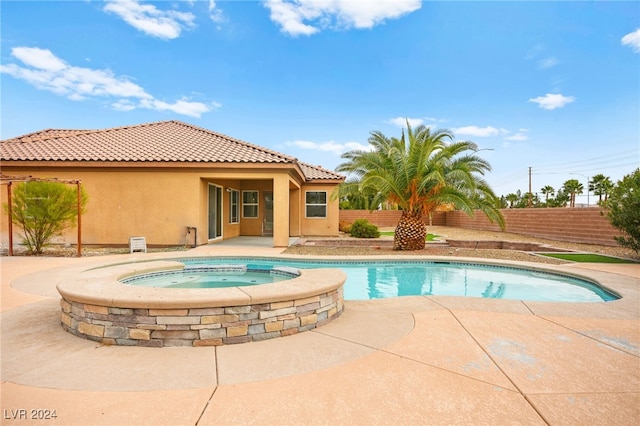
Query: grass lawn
{"x": 430, "y": 237}
{"x": 587, "y": 258}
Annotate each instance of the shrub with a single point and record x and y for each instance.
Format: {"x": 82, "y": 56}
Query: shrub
{"x": 44, "y": 210}
{"x": 344, "y": 226}
{"x": 361, "y": 228}
{"x": 624, "y": 210}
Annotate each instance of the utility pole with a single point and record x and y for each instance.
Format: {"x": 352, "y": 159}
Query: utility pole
{"x": 530, "y": 202}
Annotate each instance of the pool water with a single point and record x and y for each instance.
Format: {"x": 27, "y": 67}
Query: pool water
{"x": 213, "y": 275}
{"x": 382, "y": 279}
{"x": 189, "y": 279}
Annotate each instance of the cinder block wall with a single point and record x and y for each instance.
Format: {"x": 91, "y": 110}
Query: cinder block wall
{"x": 579, "y": 225}
{"x": 385, "y": 218}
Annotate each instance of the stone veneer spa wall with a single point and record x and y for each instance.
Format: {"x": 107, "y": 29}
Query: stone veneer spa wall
{"x": 113, "y": 313}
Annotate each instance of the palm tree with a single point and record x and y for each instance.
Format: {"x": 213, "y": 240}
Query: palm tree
{"x": 573, "y": 187}
{"x": 512, "y": 198}
{"x": 547, "y": 190}
{"x": 419, "y": 172}
{"x": 601, "y": 185}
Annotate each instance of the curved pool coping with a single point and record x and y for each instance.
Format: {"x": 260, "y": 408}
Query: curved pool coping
{"x": 98, "y": 286}
{"x": 97, "y": 306}
{"x": 102, "y": 285}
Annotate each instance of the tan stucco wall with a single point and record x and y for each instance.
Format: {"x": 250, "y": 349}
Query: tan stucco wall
{"x": 229, "y": 230}
{"x": 121, "y": 204}
{"x": 159, "y": 204}
{"x": 317, "y": 226}
{"x": 294, "y": 212}
{"x": 253, "y": 226}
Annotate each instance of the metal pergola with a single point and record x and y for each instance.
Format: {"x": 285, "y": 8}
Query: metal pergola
{"x": 10, "y": 180}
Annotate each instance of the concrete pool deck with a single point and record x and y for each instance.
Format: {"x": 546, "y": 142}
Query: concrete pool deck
{"x": 414, "y": 360}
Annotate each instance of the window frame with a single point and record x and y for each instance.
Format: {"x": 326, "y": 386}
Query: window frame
{"x": 233, "y": 205}
{"x": 307, "y": 205}
{"x": 256, "y": 204}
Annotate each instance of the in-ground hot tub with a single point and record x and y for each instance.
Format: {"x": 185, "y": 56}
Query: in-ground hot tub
{"x": 96, "y": 305}
{"x": 213, "y": 276}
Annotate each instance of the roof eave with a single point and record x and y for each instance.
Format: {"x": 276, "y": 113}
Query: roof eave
{"x": 334, "y": 181}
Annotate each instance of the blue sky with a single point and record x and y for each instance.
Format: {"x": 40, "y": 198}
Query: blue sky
{"x": 550, "y": 85}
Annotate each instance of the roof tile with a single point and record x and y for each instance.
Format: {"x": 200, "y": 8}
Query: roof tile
{"x": 151, "y": 142}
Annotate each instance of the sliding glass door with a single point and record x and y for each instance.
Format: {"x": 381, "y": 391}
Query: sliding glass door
{"x": 215, "y": 211}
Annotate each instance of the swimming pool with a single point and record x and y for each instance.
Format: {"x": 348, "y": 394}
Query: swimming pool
{"x": 97, "y": 305}
{"x": 392, "y": 278}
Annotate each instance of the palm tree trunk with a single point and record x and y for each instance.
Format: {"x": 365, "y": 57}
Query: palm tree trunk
{"x": 411, "y": 232}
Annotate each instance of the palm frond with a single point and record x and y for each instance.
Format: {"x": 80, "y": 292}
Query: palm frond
{"x": 421, "y": 170}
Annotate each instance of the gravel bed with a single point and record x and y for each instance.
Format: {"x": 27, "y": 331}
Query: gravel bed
{"x": 432, "y": 249}
{"x": 444, "y": 233}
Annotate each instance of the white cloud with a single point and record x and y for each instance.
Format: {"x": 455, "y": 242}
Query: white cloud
{"x": 402, "y": 121}
{"x": 38, "y": 58}
{"x": 50, "y": 73}
{"x": 330, "y": 146}
{"x": 183, "y": 107}
{"x": 77, "y": 83}
{"x": 538, "y": 54}
{"x": 632, "y": 40}
{"x": 534, "y": 51}
{"x": 518, "y": 137}
{"x": 351, "y": 146}
{"x": 307, "y": 17}
{"x": 165, "y": 24}
{"x": 215, "y": 13}
{"x": 290, "y": 16}
{"x": 481, "y": 132}
{"x": 123, "y": 105}
{"x": 552, "y": 101}
{"x": 547, "y": 63}
{"x": 488, "y": 131}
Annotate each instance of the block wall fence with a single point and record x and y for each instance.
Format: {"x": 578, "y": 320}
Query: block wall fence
{"x": 386, "y": 218}
{"x": 587, "y": 225}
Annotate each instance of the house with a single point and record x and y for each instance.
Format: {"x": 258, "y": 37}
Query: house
{"x": 156, "y": 179}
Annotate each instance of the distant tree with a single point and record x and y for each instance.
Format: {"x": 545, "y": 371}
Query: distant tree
{"x": 502, "y": 203}
{"x": 358, "y": 201}
{"x": 601, "y": 185}
{"x": 572, "y": 187}
{"x": 44, "y": 210}
{"x": 512, "y": 198}
{"x": 624, "y": 210}
{"x": 547, "y": 191}
{"x": 560, "y": 200}
{"x": 530, "y": 200}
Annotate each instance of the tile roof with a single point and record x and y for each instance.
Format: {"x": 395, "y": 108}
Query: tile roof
{"x": 164, "y": 141}
{"x": 318, "y": 172}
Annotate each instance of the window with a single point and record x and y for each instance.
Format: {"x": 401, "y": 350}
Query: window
{"x": 234, "y": 200}
{"x": 250, "y": 204}
{"x": 316, "y": 204}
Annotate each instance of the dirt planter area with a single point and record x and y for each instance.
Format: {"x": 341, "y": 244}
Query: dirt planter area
{"x": 451, "y": 241}
{"x": 458, "y": 242}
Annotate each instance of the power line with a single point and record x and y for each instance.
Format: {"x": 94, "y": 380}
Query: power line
{"x": 577, "y": 169}
{"x": 603, "y": 161}
{"x": 615, "y": 154}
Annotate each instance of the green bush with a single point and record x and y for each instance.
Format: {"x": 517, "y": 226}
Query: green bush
{"x": 361, "y": 228}
{"x": 44, "y": 210}
{"x": 624, "y": 210}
